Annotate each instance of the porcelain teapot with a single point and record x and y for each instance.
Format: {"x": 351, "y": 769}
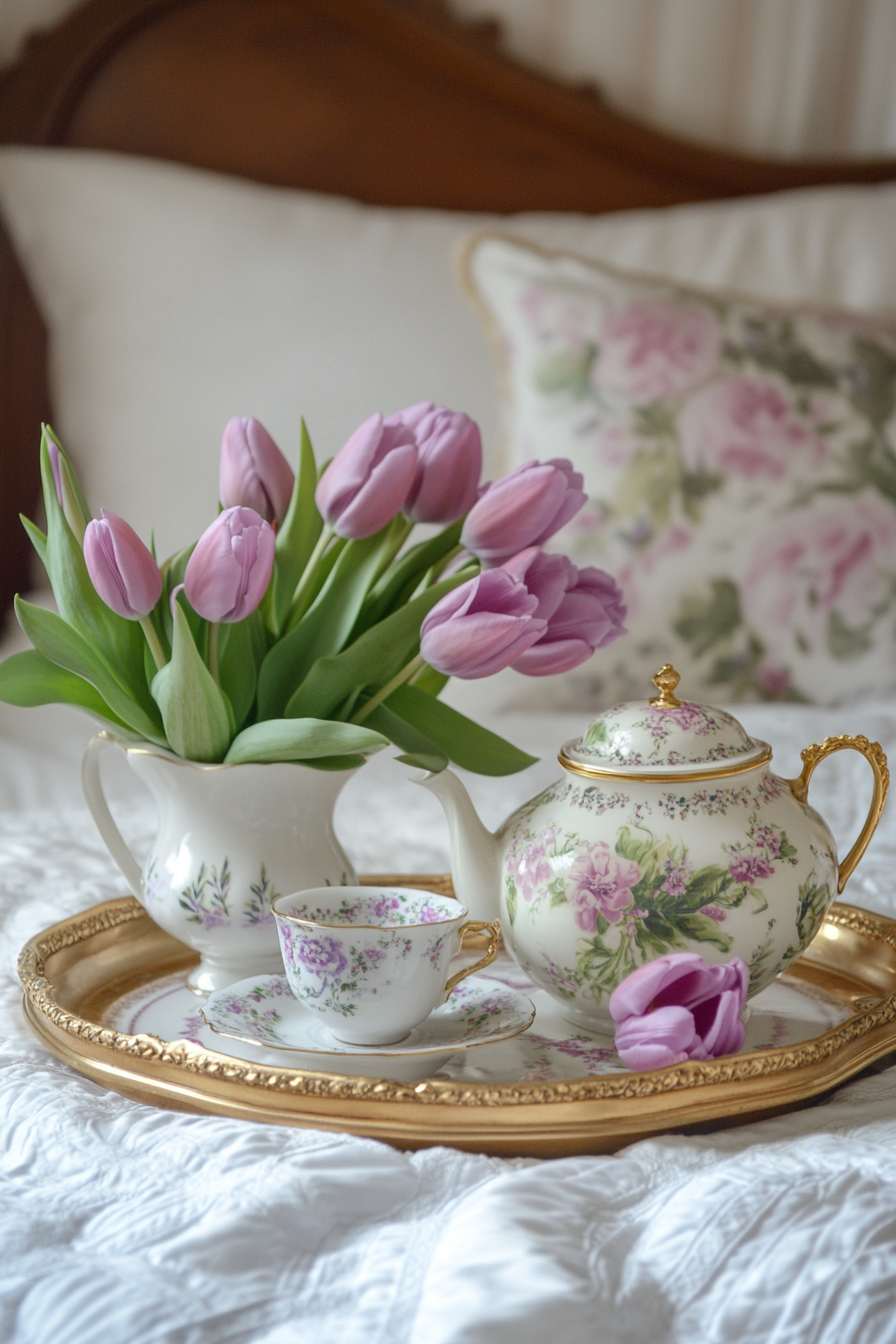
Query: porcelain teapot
{"x": 668, "y": 831}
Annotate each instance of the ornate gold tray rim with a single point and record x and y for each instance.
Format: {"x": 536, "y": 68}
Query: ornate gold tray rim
{"x": 542, "y": 1118}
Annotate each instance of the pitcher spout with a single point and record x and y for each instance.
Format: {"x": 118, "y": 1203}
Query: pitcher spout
{"x": 475, "y": 852}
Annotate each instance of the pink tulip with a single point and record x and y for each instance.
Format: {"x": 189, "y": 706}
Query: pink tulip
{"x": 548, "y": 577}
{"x": 588, "y": 616}
{"x": 449, "y": 462}
{"x": 123, "y": 571}
{"x": 523, "y": 509}
{"x": 480, "y": 627}
{"x": 367, "y": 482}
{"x": 677, "y": 1008}
{"x": 229, "y": 571}
{"x": 254, "y": 472}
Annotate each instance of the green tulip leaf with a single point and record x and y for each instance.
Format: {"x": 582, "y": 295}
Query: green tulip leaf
{"x": 409, "y": 738}
{"x": 323, "y": 629}
{"x": 302, "y": 740}
{"x": 241, "y": 650}
{"x": 461, "y": 740}
{"x": 71, "y": 486}
{"x": 431, "y": 681}
{"x": 63, "y": 645}
{"x": 346, "y": 762}
{"x": 118, "y": 642}
{"x": 28, "y": 679}
{"x": 433, "y": 762}
{"x": 399, "y": 582}
{"x": 197, "y": 717}
{"x": 371, "y": 661}
{"x": 37, "y": 538}
{"x": 298, "y": 533}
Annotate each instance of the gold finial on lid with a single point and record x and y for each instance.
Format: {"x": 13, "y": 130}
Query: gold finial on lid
{"x": 665, "y": 681}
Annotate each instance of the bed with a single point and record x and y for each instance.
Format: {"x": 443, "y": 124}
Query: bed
{"x": 125, "y": 1222}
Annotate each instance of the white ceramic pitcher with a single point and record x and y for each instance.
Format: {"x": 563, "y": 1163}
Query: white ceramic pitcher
{"x": 231, "y": 838}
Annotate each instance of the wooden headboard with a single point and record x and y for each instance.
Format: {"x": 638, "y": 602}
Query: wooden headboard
{"x": 392, "y": 103}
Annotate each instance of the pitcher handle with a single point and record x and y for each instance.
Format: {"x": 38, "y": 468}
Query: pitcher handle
{"x": 875, "y": 756}
{"x": 99, "y": 810}
{"x": 477, "y": 926}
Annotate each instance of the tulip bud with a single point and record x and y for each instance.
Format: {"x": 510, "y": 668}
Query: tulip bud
{"x": 67, "y": 492}
{"x": 121, "y": 568}
{"x": 254, "y": 472}
{"x": 523, "y": 509}
{"x": 449, "y": 462}
{"x": 367, "y": 482}
{"x": 481, "y": 627}
{"x": 588, "y": 616}
{"x": 230, "y": 568}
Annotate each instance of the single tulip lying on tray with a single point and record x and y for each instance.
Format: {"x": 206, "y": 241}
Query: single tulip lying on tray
{"x": 304, "y": 625}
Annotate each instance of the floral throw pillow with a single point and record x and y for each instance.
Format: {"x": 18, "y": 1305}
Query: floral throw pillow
{"x": 741, "y": 467}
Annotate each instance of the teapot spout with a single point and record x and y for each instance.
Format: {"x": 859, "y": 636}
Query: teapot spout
{"x": 475, "y": 852}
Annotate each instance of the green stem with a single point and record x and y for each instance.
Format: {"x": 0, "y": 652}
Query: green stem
{"x": 155, "y": 645}
{"x": 416, "y": 665}
{"x": 214, "y": 631}
{"x": 304, "y": 587}
{"x": 401, "y": 529}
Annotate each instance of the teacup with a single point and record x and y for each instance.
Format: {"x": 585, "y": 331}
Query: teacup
{"x": 373, "y": 961}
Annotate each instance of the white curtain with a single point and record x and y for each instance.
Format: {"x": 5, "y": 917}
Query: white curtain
{"x": 794, "y": 78}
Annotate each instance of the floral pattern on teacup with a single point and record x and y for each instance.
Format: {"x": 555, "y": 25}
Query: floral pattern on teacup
{"x": 332, "y": 974}
{"x": 386, "y": 909}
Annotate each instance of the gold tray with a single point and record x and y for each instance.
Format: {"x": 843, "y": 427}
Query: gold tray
{"x": 76, "y": 969}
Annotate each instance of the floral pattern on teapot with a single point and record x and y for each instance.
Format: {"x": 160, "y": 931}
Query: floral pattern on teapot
{"x": 640, "y": 893}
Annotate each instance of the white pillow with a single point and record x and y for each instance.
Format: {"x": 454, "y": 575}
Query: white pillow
{"x": 176, "y": 298}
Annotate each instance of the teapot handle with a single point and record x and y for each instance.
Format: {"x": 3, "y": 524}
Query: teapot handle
{"x": 876, "y": 758}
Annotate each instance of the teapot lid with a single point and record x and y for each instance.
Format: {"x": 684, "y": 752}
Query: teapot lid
{"x": 664, "y": 738}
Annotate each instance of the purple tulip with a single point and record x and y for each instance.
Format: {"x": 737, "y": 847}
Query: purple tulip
{"x": 548, "y": 577}
{"x": 677, "y": 1008}
{"x": 367, "y": 482}
{"x": 229, "y": 571}
{"x": 523, "y": 509}
{"x": 254, "y": 472}
{"x": 449, "y": 462}
{"x": 588, "y": 616}
{"x": 123, "y": 571}
{"x": 480, "y": 627}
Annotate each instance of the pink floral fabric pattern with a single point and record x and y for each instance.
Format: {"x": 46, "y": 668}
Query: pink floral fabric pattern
{"x": 688, "y": 413}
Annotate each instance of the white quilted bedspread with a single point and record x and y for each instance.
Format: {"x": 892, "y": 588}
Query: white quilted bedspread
{"x": 124, "y": 1224}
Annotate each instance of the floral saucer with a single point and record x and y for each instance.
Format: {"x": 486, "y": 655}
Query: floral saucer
{"x": 263, "y": 1011}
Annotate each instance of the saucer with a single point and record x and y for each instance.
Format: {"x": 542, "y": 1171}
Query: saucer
{"x": 263, "y": 1011}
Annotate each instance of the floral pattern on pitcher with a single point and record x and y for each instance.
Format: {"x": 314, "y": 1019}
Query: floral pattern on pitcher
{"x": 208, "y": 899}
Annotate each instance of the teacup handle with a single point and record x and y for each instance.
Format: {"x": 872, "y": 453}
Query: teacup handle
{"x": 99, "y": 810}
{"x": 875, "y": 756}
{"x": 494, "y": 935}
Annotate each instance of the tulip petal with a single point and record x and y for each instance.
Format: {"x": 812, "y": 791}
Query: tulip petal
{"x": 550, "y": 656}
{"x": 381, "y": 496}
{"x": 662, "y": 1038}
